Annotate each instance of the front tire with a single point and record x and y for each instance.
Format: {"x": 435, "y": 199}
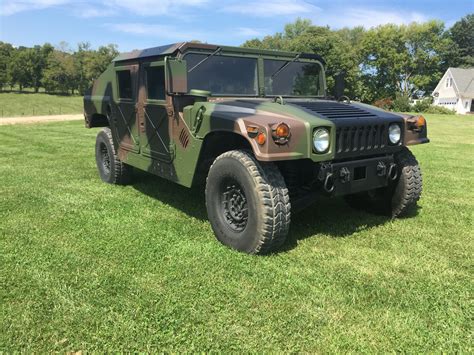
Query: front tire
{"x": 400, "y": 197}
{"x": 111, "y": 169}
{"x": 247, "y": 203}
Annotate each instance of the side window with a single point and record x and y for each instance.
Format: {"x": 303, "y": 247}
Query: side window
{"x": 155, "y": 82}
{"x": 124, "y": 79}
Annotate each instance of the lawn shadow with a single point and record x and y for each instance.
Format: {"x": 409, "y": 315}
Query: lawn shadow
{"x": 327, "y": 216}
{"x": 190, "y": 201}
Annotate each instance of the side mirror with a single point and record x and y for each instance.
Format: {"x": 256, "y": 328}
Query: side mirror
{"x": 177, "y": 76}
{"x": 339, "y": 84}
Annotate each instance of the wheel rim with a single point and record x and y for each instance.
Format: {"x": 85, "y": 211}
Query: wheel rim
{"x": 234, "y": 205}
{"x": 105, "y": 158}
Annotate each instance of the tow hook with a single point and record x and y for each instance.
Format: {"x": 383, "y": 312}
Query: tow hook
{"x": 344, "y": 175}
{"x": 329, "y": 183}
{"x": 392, "y": 171}
{"x": 381, "y": 169}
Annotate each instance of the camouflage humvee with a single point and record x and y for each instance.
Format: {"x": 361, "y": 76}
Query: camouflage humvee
{"x": 257, "y": 128}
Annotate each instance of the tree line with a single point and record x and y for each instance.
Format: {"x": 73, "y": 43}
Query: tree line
{"x": 383, "y": 63}
{"x": 57, "y": 70}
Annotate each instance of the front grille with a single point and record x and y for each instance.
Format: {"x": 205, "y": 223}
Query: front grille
{"x": 364, "y": 140}
{"x": 335, "y": 110}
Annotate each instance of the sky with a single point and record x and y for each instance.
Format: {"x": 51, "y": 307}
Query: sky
{"x": 137, "y": 24}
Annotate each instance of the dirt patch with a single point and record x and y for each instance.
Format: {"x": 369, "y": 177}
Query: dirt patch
{"x": 39, "y": 119}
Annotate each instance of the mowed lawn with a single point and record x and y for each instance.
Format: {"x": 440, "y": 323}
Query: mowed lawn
{"x": 90, "y": 266}
{"x": 14, "y": 104}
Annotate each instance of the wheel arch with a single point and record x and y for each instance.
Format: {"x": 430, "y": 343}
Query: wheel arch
{"x": 214, "y": 144}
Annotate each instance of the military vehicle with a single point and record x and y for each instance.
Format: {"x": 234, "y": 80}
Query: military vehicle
{"x": 257, "y": 128}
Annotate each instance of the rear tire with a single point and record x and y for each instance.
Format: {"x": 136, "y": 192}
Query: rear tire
{"x": 400, "y": 197}
{"x": 111, "y": 169}
{"x": 247, "y": 203}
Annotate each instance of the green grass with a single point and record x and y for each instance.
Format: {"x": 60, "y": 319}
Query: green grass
{"x": 14, "y": 104}
{"x": 89, "y": 266}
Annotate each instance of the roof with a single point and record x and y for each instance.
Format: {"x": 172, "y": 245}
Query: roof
{"x": 182, "y": 46}
{"x": 463, "y": 80}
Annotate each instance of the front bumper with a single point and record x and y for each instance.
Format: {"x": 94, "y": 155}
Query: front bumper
{"x": 343, "y": 178}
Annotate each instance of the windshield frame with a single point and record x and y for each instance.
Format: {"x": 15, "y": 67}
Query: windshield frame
{"x": 260, "y": 70}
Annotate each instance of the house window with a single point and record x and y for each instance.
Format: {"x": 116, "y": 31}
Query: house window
{"x": 124, "y": 79}
{"x": 466, "y": 104}
{"x": 155, "y": 82}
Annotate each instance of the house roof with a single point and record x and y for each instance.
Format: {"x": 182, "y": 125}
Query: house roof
{"x": 463, "y": 80}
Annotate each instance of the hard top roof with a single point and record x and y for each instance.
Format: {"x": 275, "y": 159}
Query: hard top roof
{"x": 182, "y": 46}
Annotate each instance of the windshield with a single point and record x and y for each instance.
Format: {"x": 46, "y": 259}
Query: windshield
{"x": 222, "y": 75}
{"x": 287, "y": 78}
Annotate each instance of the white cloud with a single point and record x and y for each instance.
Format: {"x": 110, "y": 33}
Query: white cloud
{"x": 156, "y": 31}
{"x": 269, "y": 8}
{"x": 368, "y": 18}
{"x": 102, "y": 8}
{"x": 153, "y": 7}
{"x": 250, "y": 32}
{"x": 10, "y": 7}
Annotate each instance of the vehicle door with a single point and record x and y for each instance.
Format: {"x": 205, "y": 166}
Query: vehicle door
{"x": 125, "y": 115}
{"x": 152, "y": 112}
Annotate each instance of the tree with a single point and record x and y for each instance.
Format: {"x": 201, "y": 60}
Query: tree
{"x": 6, "y": 50}
{"x": 17, "y": 68}
{"x": 60, "y": 74}
{"x": 462, "y": 33}
{"x": 303, "y": 36}
{"x": 404, "y": 59}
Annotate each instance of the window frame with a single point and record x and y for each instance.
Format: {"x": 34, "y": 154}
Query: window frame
{"x": 146, "y": 65}
{"x": 117, "y": 84}
{"x": 233, "y": 55}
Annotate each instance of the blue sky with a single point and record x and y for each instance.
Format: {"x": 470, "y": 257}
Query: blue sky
{"x": 147, "y": 23}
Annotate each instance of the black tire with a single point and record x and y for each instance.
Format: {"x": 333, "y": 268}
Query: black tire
{"x": 247, "y": 203}
{"x": 111, "y": 169}
{"x": 400, "y": 197}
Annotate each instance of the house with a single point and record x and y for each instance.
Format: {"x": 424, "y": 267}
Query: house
{"x": 455, "y": 90}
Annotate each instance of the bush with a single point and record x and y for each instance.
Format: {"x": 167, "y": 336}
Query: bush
{"x": 401, "y": 104}
{"x": 385, "y": 104}
{"x": 439, "y": 110}
{"x": 421, "y": 106}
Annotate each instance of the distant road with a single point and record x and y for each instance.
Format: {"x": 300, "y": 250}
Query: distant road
{"x": 39, "y": 119}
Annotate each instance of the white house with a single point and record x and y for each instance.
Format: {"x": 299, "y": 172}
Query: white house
{"x": 455, "y": 90}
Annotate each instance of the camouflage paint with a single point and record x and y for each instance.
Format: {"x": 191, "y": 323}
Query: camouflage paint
{"x": 169, "y": 143}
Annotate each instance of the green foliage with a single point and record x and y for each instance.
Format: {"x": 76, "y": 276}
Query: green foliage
{"x": 338, "y": 48}
{"x": 404, "y": 59}
{"x": 87, "y": 266}
{"x": 60, "y": 75}
{"x": 439, "y": 110}
{"x": 462, "y": 33}
{"x": 6, "y": 50}
{"x": 386, "y": 104}
{"x": 401, "y": 104}
{"x": 56, "y": 70}
{"x": 422, "y": 105}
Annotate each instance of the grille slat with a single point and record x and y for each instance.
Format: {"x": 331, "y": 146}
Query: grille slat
{"x": 360, "y": 138}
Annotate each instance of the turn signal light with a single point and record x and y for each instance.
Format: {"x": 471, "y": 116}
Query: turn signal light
{"x": 420, "y": 121}
{"x": 281, "y": 133}
{"x": 261, "y": 138}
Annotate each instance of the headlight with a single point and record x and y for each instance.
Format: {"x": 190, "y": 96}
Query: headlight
{"x": 394, "y": 133}
{"x": 321, "y": 140}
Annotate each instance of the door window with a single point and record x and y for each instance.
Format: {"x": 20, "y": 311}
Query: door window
{"x": 124, "y": 79}
{"x": 155, "y": 82}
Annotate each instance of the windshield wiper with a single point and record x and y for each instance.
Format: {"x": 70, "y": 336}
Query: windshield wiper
{"x": 202, "y": 61}
{"x": 285, "y": 65}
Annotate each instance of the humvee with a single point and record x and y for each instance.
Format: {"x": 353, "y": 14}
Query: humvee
{"x": 257, "y": 129}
